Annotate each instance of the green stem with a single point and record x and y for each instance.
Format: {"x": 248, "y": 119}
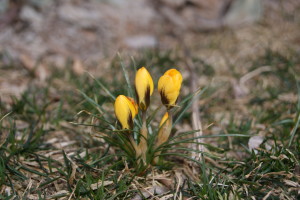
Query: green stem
{"x": 294, "y": 130}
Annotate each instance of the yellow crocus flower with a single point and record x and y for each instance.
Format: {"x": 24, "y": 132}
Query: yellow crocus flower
{"x": 143, "y": 87}
{"x": 125, "y": 110}
{"x": 169, "y": 86}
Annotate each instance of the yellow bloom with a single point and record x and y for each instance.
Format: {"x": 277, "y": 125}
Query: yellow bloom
{"x": 169, "y": 86}
{"x": 143, "y": 87}
{"x": 125, "y": 110}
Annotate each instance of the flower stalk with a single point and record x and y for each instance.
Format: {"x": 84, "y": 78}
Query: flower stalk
{"x": 143, "y": 138}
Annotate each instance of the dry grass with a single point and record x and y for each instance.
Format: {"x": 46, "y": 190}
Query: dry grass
{"x": 251, "y": 74}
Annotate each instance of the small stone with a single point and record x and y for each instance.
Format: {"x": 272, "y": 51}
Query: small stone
{"x": 141, "y": 41}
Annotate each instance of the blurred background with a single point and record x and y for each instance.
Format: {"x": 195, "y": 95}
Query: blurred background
{"x": 38, "y": 34}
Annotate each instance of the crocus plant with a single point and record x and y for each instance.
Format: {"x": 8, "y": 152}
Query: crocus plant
{"x": 143, "y": 144}
{"x": 126, "y": 109}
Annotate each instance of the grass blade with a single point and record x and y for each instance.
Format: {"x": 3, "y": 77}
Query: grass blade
{"x": 103, "y": 87}
{"x": 130, "y": 90}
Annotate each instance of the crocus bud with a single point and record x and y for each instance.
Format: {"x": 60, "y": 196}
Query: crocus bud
{"x": 164, "y": 120}
{"x": 169, "y": 86}
{"x": 165, "y": 127}
{"x": 143, "y": 87}
{"x": 125, "y": 110}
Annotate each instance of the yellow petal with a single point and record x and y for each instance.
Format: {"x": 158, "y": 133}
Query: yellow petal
{"x": 132, "y": 106}
{"x": 144, "y": 87}
{"x": 125, "y": 110}
{"x": 164, "y": 119}
{"x": 169, "y": 86}
{"x": 176, "y": 77}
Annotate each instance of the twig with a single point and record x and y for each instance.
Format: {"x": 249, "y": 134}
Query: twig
{"x": 196, "y": 120}
{"x": 73, "y": 191}
{"x": 252, "y": 74}
{"x": 267, "y": 195}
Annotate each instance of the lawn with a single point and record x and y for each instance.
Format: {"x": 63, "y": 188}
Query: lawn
{"x": 54, "y": 148}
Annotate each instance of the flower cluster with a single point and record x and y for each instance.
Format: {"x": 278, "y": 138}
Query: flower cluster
{"x": 126, "y": 109}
